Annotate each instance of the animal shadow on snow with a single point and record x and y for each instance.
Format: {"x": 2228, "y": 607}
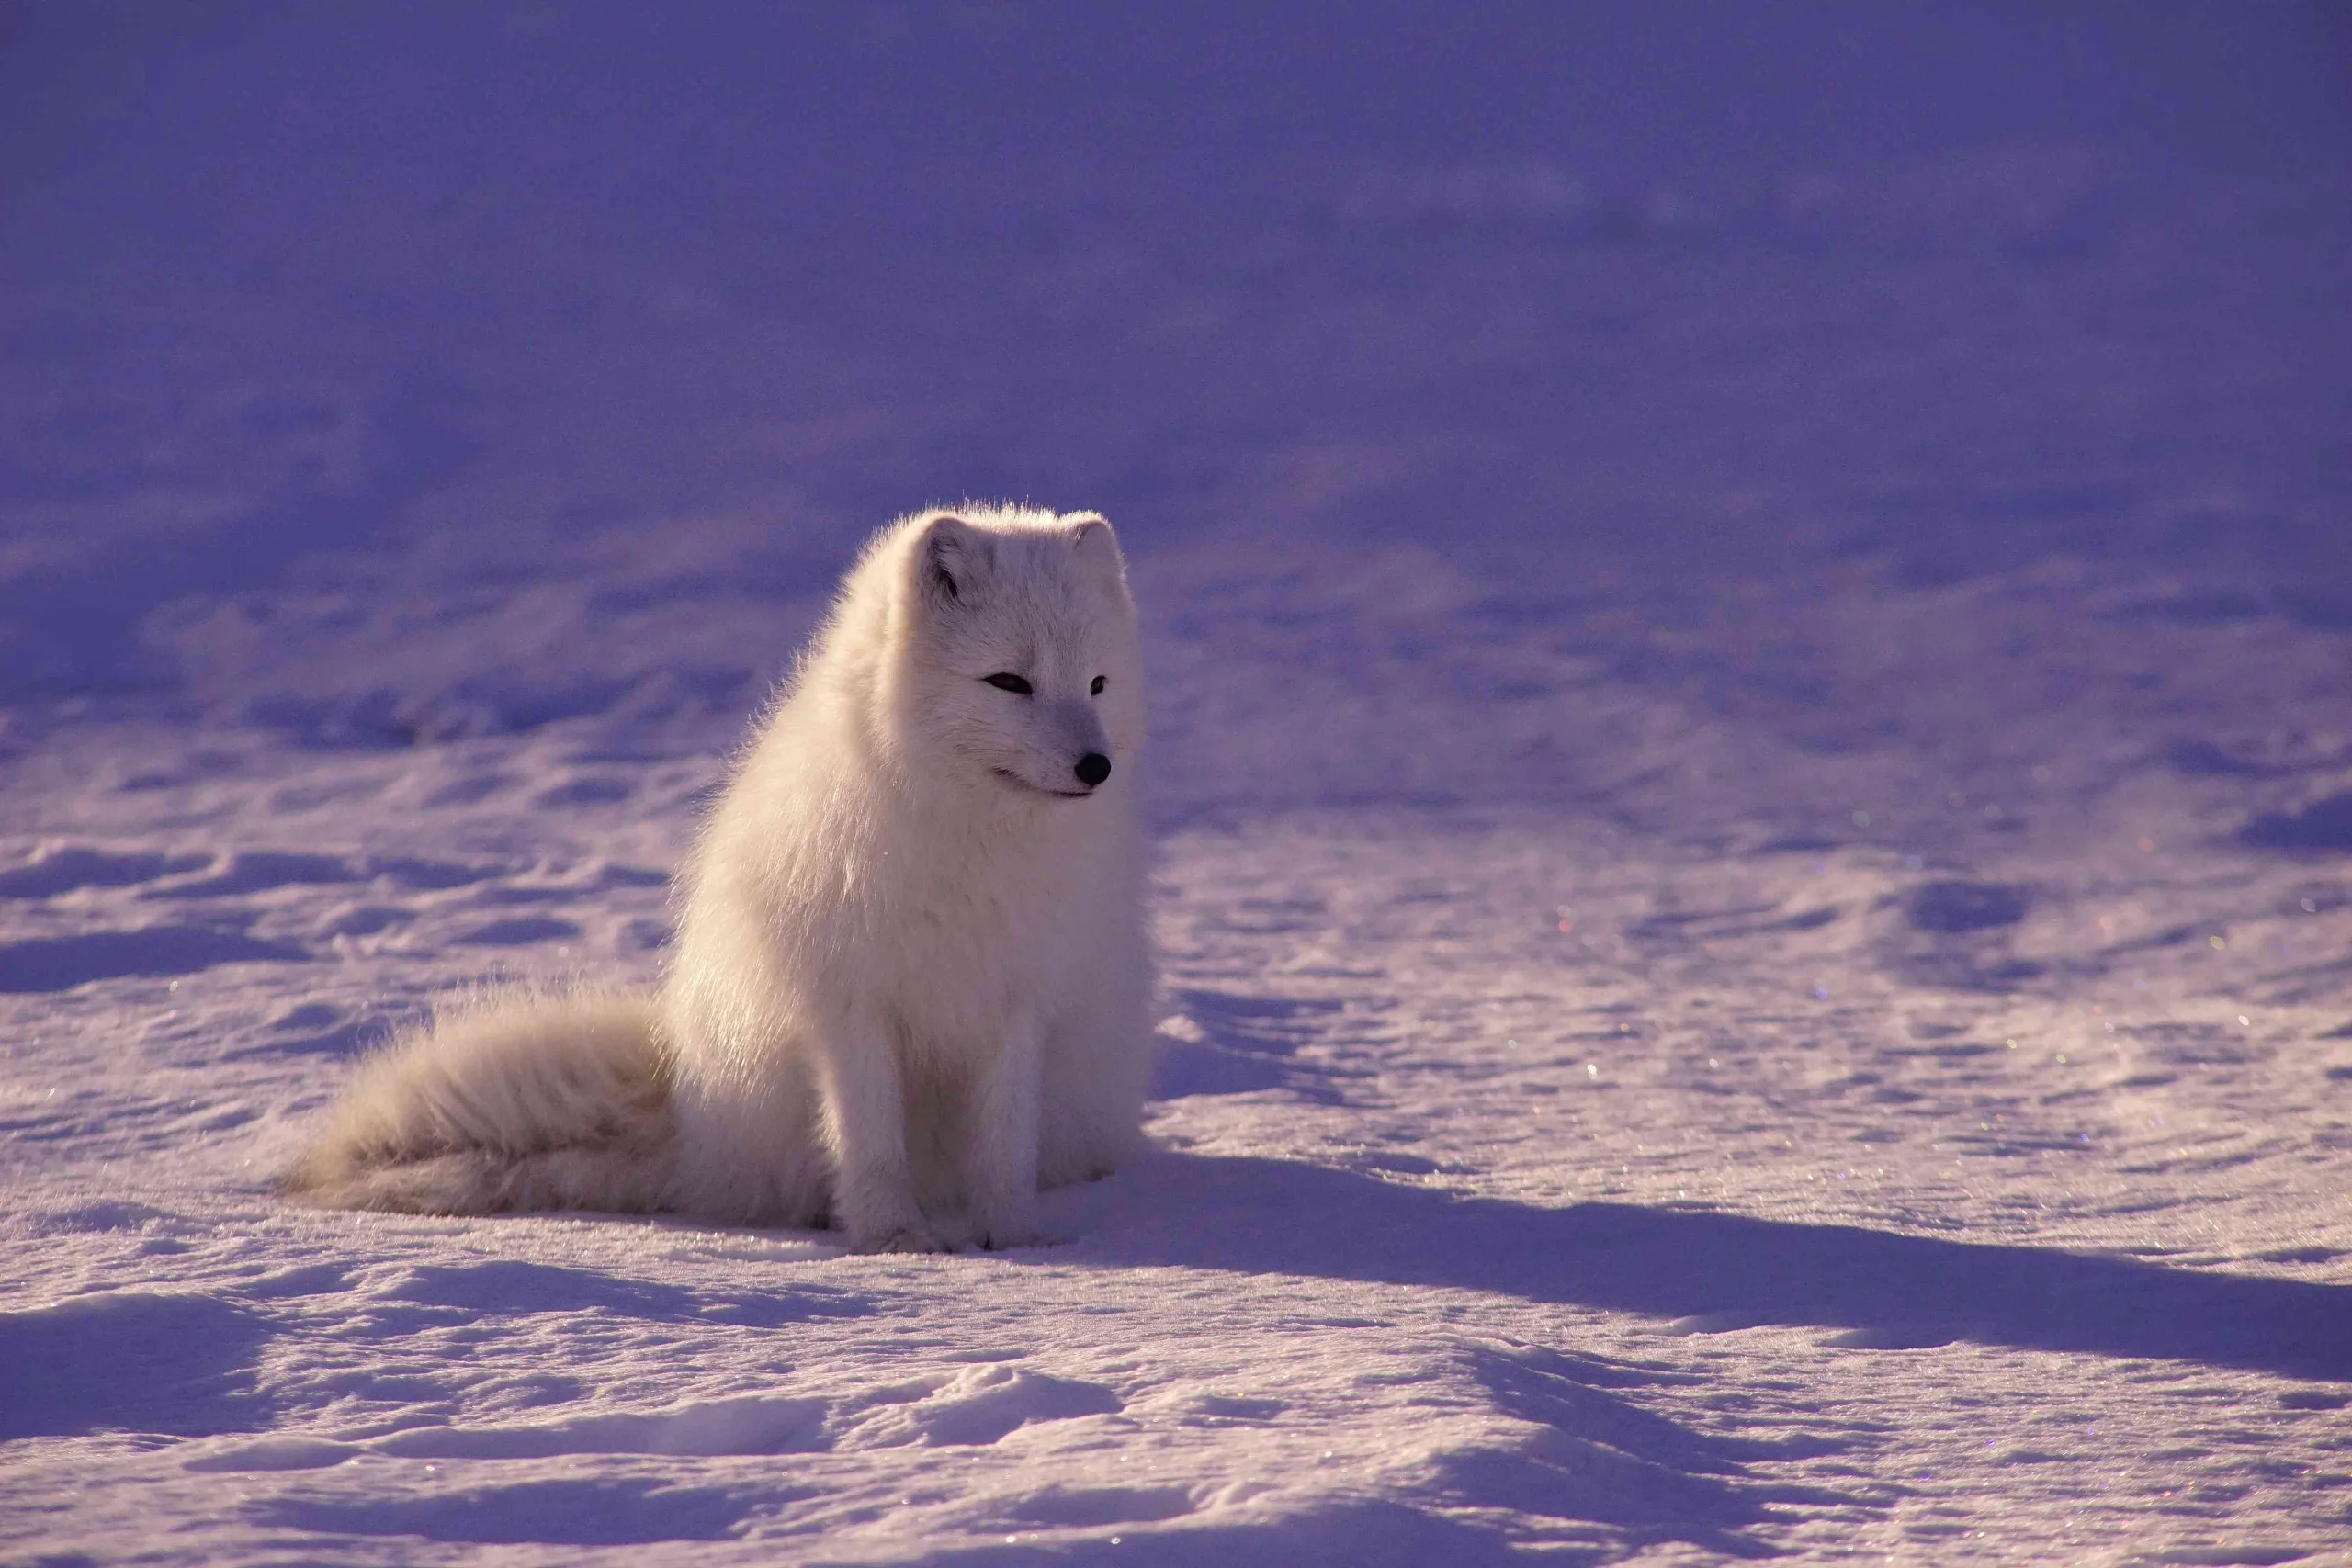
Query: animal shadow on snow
{"x": 1884, "y": 1290}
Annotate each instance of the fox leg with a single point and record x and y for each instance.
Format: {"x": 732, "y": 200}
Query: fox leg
{"x": 1000, "y": 1132}
{"x": 865, "y": 1123}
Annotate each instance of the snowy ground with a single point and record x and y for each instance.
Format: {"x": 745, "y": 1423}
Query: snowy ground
{"x": 1754, "y": 753}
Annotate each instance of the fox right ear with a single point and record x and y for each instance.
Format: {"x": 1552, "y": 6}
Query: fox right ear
{"x": 953, "y": 560}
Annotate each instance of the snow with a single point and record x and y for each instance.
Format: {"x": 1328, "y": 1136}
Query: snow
{"x": 1753, "y": 724}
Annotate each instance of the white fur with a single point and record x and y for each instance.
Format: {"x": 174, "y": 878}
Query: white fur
{"x": 911, "y": 982}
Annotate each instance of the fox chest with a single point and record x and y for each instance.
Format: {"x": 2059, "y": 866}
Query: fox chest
{"x": 957, "y": 965}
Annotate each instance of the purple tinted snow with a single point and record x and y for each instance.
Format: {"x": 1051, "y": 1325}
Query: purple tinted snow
{"x": 392, "y": 379}
{"x": 848, "y": 271}
{"x": 64, "y": 869}
{"x": 609, "y": 1512}
{"x": 503, "y": 1289}
{"x": 131, "y": 1362}
{"x": 1954, "y": 907}
{"x": 522, "y": 931}
{"x": 59, "y": 964}
{"x": 258, "y": 871}
{"x": 2324, "y": 825}
{"x": 1675, "y": 1264}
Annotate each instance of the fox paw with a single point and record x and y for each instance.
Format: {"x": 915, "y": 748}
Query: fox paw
{"x": 902, "y": 1238}
{"x": 1000, "y": 1239}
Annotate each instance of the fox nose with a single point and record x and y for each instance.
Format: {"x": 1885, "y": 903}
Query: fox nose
{"x": 1092, "y": 769}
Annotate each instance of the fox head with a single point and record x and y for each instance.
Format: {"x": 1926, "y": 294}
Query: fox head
{"x": 1018, "y": 648}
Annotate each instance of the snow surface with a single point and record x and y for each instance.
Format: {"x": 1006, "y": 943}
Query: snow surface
{"x": 1751, "y": 630}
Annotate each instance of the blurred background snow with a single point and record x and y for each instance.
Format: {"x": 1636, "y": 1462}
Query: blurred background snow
{"x": 312, "y": 310}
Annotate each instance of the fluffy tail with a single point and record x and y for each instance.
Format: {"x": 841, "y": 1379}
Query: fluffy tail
{"x": 522, "y": 1103}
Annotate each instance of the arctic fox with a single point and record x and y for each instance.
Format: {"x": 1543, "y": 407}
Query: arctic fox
{"x": 911, "y": 982}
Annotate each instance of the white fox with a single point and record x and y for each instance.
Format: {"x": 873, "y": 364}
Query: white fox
{"x": 913, "y": 982}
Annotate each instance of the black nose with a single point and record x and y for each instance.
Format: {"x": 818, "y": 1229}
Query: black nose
{"x": 1092, "y": 769}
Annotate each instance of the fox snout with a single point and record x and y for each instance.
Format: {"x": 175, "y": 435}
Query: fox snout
{"x": 1079, "y": 729}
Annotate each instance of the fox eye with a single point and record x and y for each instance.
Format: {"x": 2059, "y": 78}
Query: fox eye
{"x": 1005, "y": 680}
{"x": 1096, "y": 689}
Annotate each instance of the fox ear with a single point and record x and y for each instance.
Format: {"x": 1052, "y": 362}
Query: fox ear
{"x": 1093, "y": 540}
{"x": 953, "y": 560}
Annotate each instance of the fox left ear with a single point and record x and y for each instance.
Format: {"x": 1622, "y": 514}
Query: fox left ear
{"x": 953, "y": 560}
{"x": 1092, "y": 536}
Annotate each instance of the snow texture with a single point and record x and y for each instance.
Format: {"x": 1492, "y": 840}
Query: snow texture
{"x": 1749, "y": 618}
